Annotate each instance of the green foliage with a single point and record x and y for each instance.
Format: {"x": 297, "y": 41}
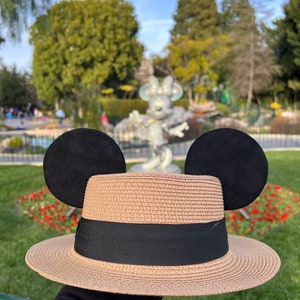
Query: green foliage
{"x": 15, "y": 142}
{"x": 223, "y": 108}
{"x": 251, "y": 64}
{"x": 117, "y": 109}
{"x": 15, "y": 89}
{"x": 183, "y": 102}
{"x": 197, "y": 48}
{"x": 195, "y": 19}
{"x": 15, "y": 13}
{"x": 284, "y": 40}
{"x": 193, "y": 63}
{"x": 83, "y": 44}
{"x": 294, "y": 85}
{"x": 86, "y": 108}
{"x": 291, "y": 27}
{"x": 286, "y": 43}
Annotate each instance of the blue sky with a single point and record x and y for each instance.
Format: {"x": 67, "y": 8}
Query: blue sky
{"x": 155, "y": 20}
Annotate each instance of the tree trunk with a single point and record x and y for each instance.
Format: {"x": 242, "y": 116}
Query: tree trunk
{"x": 189, "y": 93}
{"x": 251, "y": 68}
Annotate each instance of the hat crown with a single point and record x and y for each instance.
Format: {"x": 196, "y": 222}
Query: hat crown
{"x": 153, "y": 198}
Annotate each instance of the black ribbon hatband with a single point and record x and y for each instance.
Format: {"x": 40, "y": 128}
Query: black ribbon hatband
{"x": 151, "y": 244}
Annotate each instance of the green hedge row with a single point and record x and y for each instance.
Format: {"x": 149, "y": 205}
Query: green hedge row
{"x": 118, "y": 109}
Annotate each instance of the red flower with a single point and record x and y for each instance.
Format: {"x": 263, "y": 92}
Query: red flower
{"x": 283, "y": 217}
{"x": 233, "y": 217}
{"x": 47, "y": 218}
{"x": 254, "y": 211}
{"x": 74, "y": 217}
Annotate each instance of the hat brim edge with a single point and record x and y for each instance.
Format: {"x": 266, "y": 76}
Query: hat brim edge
{"x": 248, "y": 263}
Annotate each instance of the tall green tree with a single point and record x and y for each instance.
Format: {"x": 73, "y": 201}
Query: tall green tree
{"x": 286, "y": 43}
{"x": 15, "y": 88}
{"x": 83, "y": 44}
{"x": 195, "y": 19}
{"x": 14, "y": 15}
{"x": 194, "y": 64}
{"x": 250, "y": 70}
{"x": 196, "y": 48}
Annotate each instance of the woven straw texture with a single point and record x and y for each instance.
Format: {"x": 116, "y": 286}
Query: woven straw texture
{"x": 153, "y": 198}
{"x": 248, "y": 263}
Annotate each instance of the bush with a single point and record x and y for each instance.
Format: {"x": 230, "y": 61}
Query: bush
{"x": 118, "y": 109}
{"x": 184, "y": 102}
{"x": 35, "y": 150}
{"x": 284, "y": 125}
{"x": 223, "y": 108}
{"x": 15, "y": 142}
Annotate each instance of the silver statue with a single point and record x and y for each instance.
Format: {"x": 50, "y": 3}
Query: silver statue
{"x": 160, "y": 107}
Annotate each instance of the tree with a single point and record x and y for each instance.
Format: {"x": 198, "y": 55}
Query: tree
{"x": 15, "y": 89}
{"x": 195, "y": 19}
{"x": 83, "y": 44}
{"x": 286, "y": 43}
{"x": 194, "y": 62}
{"x": 252, "y": 62}
{"x": 14, "y": 15}
{"x": 196, "y": 49}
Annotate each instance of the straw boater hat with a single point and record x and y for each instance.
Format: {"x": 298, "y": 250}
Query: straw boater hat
{"x": 155, "y": 233}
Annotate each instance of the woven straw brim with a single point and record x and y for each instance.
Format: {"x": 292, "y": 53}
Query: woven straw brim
{"x": 248, "y": 263}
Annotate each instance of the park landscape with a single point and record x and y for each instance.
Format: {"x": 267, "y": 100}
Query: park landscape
{"x": 246, "y": 79}
{"x": 21, "y": 228}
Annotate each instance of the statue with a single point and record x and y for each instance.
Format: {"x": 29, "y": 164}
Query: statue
{"x": 160, "y": 102}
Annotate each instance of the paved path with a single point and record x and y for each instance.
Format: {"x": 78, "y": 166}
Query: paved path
{"x": 34, "y": 123}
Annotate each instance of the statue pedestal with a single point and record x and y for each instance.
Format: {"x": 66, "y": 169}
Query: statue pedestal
{"x": 169, "y": 169}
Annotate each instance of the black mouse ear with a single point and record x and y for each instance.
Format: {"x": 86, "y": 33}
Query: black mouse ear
{"x": 236, "y": 159}
{"x": 74, "y": 157}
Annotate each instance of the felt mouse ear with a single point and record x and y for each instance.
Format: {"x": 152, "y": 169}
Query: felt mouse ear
{"x": 236, "y": 159}
{"x": 74, "y": 157}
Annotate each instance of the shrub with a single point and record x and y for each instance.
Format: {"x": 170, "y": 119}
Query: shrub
{"x": 15, "y": 142}
{"x": 184, "y": 102}
{"x": 223, "y": 108}
{"x": 118, "y": 109}
{"x": 284, "y": 125}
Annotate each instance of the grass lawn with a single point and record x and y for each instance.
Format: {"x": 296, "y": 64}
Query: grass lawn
{"x": 18, "y": 233}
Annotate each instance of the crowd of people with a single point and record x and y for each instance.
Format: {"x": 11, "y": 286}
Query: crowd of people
{"x": 28, "y": 111}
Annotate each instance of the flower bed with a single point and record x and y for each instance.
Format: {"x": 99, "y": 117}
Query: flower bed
{"x": 274, "y": 206}
{"x": 49, "y": 212}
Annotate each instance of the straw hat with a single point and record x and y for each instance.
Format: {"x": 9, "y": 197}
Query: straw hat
{"x": 155, "y": 233}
